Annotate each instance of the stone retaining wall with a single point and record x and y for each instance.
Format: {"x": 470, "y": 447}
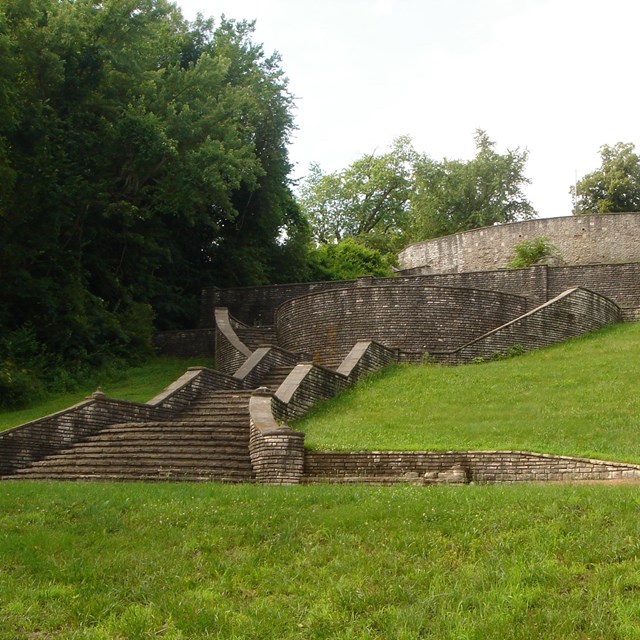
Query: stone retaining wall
{"x": 581, "y": 240}
{"x": 277, "y": 452}
{"x": 618, "y": 282}
{"x": 185, "y": 344}
{"x": 458, "y": 466}
{"x": 410, "y": 318}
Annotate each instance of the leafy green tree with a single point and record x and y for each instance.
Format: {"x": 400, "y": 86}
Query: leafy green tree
{"x": 368, "y": 200}
{"x": 614, "y": 187}
{"x": 454, "y": 195}
{"x": 141, "y": 157}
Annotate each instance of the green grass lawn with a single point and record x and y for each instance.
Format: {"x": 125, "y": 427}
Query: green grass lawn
{"x": 138, "y": 384}
{"x": 176, "y": 561}
{"x": 578, "y": 398}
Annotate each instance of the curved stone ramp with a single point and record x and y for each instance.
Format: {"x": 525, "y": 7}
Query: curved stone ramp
{"x": 573, "y": 313}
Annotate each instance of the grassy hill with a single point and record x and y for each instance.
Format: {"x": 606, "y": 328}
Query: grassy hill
{"x": 577, "y": 398}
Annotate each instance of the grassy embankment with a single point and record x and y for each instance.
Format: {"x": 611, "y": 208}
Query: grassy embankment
{"x": 177, "y": 561}
{"x": 577, "y": 398}
{"x": 138, "y": 384}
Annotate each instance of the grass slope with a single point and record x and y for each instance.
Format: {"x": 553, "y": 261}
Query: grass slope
{"x": 115, "y": 561}
{"x": 138, "y": 384}
{"x": 578, "y": 398}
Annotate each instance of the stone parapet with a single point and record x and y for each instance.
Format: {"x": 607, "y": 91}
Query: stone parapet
{"x": 606, "y": 238}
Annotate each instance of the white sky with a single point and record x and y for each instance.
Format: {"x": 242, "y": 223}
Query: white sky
{"x": 557, "y": 77}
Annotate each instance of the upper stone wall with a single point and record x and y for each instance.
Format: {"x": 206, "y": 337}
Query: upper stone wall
{"x": 594, "y": 239}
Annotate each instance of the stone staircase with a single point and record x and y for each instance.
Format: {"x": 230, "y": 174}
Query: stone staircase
{"x": 209, "y": 441}
{"x": 254, "y": 337}
{"x": 275, "y": 377}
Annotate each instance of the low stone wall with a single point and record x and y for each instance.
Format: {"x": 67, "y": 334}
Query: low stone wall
{"x": 581, "y": 240}
{"x": 410, "y": 318}
{"x": 305, "y": 386}
{"x": 571, "y": 314}
{"x": 427, "y": 467}
{"x": 277, "y": 452}
{"x": 185, "y": 344}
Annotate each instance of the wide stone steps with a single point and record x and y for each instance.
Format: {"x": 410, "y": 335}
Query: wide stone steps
{"x": 115, "y": 473}
{"x": 209, "y": 441}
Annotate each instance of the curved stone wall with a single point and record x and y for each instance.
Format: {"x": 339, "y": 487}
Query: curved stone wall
{"x": 596, "y": 239}
{"x": 411, "y": 318}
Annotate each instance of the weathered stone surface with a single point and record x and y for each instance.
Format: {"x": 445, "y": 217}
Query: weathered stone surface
{"x": 580, "y": 240}
{"x": 410, "y": 318}
{"x": 458, "y": 467}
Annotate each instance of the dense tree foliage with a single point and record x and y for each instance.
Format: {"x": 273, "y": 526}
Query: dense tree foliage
{"x": 614, "y": 187}
{"x": 388, "y": 200}
{"x": 141, "y": 157}
{"x": 346, "y": 260}
{"x": 454, "y": 195}
{"x": 368, "y": 200}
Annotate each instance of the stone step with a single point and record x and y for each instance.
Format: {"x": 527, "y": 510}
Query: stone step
{"x": 167, "y": 438}
{"x": 331, "y": 364}
{"x": 254, "y": 337}
{"x": 108, "y": 462}
{"x": 194, "y": 452}
{"x": 223, "y": 475}
{"x": 275, "y": 377}
{"x": 204, "y": 410}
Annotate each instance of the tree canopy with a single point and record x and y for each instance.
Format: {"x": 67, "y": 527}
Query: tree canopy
{"x": 614, "y": 187}
{"x": 368, "y": 200}
{"x": 385, "y": 201}
{"x": 142, "y": 156}
{"x": 455, "y": 195}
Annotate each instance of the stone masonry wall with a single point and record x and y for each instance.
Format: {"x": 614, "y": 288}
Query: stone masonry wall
{"x": 595, "y": 239}
{"x": 411, "y": 318}
{"x": 467, "y": 466}
{"x": 619, "y": 282}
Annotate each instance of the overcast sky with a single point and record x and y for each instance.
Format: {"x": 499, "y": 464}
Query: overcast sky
{"x": 557, "y": 77}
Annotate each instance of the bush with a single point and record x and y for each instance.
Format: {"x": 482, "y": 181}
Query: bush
{"x": 347, "y": 260}
{"x": 528, "y": 252}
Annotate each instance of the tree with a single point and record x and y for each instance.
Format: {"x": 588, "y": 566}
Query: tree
{"x": 141, "y": 157}
{"x": 614, "y": 187}
{"x": 454, "y": 195}
{"x": 368, "y": 200}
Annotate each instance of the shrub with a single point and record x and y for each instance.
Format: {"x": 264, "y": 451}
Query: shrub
{"x": 529, "y": 252}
